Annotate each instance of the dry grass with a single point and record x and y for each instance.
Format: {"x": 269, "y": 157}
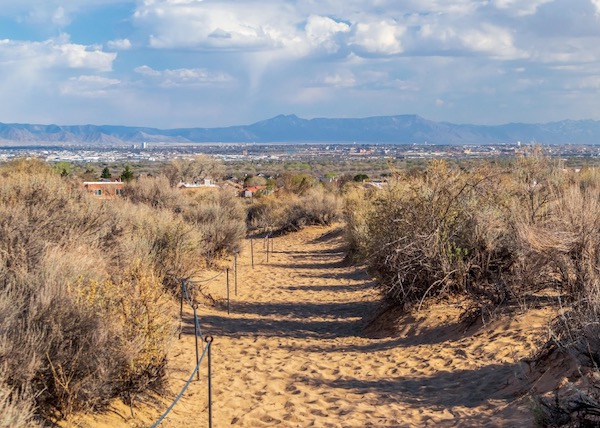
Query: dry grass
{"x": 286, "y": 212}
{"x": 83, "y": 288}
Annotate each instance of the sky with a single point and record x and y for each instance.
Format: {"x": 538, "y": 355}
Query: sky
{"x": 209, "y": 63}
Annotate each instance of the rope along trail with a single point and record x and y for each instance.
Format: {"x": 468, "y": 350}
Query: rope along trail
{"x": 293, "y": 353}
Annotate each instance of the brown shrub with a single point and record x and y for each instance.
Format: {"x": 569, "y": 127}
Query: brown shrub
{"x": 438, "y": 232}
{"x": 358, "y": 204}
{"x": 495, "y": 235}
{"x": 16, "y": 410}
{"x": 285, "y": 212}
{"x": 69, "y": 296}
{"x": 219, "y": 217}
{"x": 155, "y": 192}
{"x": 216, "y": 216}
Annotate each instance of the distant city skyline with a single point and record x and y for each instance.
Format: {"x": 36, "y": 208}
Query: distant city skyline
{"x": 209, "y": 63}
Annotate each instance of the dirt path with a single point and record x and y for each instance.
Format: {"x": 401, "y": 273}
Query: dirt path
{"x": 293, "y": 353}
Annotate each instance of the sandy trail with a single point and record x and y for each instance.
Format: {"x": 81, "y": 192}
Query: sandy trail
{"x": 294, "y": 353}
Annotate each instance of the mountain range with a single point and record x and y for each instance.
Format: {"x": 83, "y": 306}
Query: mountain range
{"x": 402, "y": 129}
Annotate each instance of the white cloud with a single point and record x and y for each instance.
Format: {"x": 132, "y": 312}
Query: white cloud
{"x": 520, "y": 7}
{"x": 55, "y": 53}
{"x": 438, "y": 37}
{"x": 58, "y": 13}
{"x": 321, "y": 32}
{"x": 382, "y": 37}
{"x": 183, "y": 76}
{"x": 119, "y": 44}
{"x": 341, "y": 79}
{"x": 209, "y": 25}
{"x": 89, "y": 86}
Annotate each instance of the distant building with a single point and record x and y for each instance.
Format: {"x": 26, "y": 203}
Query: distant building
{"x": 206, "y": 184}
{"x": 249, "y": 192}
{"x": 104, "y": 189}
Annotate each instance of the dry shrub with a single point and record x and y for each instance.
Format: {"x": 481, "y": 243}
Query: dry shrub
{"x": 155, "y": 192}
{"x": 439, "y": 232}
{"x": 82, "y": 310}
{"x": 139, "y": 306}
{"x": 286, "y": 212}
{"x": 160, "y": 239}
{"x": 496, "y": 235}
{"x": 16, "y": 411}
{"x": 315, "y": 207}
{"x": 358, "y": 204}
{"x": 217, "y": 216}
{"x": 220, "y": 218}
{"x": 269, "y": 212}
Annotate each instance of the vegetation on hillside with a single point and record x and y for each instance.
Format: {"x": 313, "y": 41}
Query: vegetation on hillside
{"x": 492, "y": 234}
{"x": 85, "y": 286}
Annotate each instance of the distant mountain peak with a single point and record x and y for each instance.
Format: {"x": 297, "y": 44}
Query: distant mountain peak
{"x": 399, "y": 129}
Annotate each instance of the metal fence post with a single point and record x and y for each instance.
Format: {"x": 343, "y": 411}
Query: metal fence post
{"x": 196, "y": 338}
{"x": 267, "y": 249}
{"x": 235, "y": 270}
{"x": 228, "y": 300}
{"x": 252, "y": 251}
{"x": 209, "y": 340}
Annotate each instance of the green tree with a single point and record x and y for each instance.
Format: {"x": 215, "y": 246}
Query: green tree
{"x": 106, "y": 173}
{"x": 127, "y": 174}
{"x": 63, "y": 168}
{"x": 361, "y": 177}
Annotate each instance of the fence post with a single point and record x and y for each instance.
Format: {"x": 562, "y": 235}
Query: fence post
{"x": 228, "y": 304}
{"x": 196, "y": 338}
{"x": 267, "y": 248}
{"x": 209, "y": 340}
{"x": 181, "y": 308}
{"x": 235, "y": 267}
{"x": 272, "y": 245}
{"x": 252, "y": 251}
{"x": 181, "y": 300}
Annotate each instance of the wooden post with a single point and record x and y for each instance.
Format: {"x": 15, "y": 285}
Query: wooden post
{"x": 228, "y": 304}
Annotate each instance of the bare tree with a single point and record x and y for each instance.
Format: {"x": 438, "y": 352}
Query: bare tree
{"x": 193, "y": 170}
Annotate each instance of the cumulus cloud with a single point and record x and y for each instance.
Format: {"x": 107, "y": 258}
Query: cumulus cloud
{"x": 383, "y": 37}
{"x": 320, "y": 55}
{"x": 119, "y": 44}
{"x": 211, "y": 25}
{"x": 55, "y": 53}
{"x": 183, "y": 76}
{"x": 323, "y": 32}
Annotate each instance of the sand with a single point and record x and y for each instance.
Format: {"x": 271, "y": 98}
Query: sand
{"x": 294, "y": 352}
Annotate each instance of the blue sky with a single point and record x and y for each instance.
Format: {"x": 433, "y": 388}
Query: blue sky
{"x": 205, "y": 63}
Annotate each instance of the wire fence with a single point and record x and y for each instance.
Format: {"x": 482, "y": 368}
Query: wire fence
{"x": 206, "y": 351}
{"x": 187, "y": 384}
